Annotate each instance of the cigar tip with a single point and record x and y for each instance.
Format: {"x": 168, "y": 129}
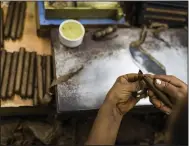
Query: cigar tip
{"x": 140, "y": 74}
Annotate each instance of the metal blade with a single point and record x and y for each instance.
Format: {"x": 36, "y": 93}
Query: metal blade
{"x": 145, "y": 61}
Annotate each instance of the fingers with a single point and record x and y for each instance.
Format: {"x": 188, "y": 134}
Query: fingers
{"x": 168, "y": 78}
{"x": 166, "y": 87}
{"x": 133, "y": 87}
{"x": 172, "y": 86}
{"x": 158, "y": 104}
{"x": 128, "y": 78}
{"x": 131, "y": 81}
{"x": 171, "y": 79}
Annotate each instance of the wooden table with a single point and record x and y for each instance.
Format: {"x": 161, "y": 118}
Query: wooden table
{"x": 31, "y": 42}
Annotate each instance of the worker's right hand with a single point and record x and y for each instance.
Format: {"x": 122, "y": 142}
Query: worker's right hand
{"x": 173, "y": 87}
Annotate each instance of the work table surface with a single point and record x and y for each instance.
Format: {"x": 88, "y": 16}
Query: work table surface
{"x": 104, "y": 61}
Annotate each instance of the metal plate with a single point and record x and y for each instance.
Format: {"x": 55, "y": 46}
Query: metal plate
{"x": 105, "y": 61}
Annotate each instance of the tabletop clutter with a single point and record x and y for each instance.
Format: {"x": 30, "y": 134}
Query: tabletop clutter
{"x": 80, "y": 49}
{"x": 30, "y": 74}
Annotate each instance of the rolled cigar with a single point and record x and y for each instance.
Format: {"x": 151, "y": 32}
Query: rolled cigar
{"x": 44, "y": 72}
{"x": 35, "y": 95}
{"x": 10, "y": 90}
{"x": 19, "y": 70}
{"x": 9, "y": 18}
{"x": 99, "y": 34}
{"x": 30, "y": 87}
{"x": 3, "y": 57}
{"x": 15, "y": 21}
{"x": 159, "y": 94}
{"x": 25, "y": 75}
{"x": 5, "y": 78}
{"x": 40, "y": 78}
{"x": 48, "y": 74}
{"x": 1, "y": 29}
{"x": 21, "y": 20}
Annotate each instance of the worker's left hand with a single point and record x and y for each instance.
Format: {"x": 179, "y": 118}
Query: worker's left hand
{"x": 120, "y": 95}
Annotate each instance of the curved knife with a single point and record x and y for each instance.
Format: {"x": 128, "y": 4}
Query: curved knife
{"x": 144, "y": 60}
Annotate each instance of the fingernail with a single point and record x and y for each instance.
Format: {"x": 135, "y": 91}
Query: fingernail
{"x": 151, "y": 73}
{"x": 138, "y": 96}
{"x": 167, "y": 113}
{"x": 158, "y": 81}
{"x": 140, "y": 91}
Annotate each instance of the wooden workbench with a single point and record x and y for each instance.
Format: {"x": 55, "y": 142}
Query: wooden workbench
{"x": 31, "y": 42}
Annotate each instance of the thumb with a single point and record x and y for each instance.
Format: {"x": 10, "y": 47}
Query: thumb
{"x": 133, "y": 87}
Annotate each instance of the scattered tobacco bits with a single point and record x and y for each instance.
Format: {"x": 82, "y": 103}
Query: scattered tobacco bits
{"x": 10, "y": 91}
{"x": 25, "y": 74}
{"x": 19, "y": 70}
{"x": 5, "y": 78}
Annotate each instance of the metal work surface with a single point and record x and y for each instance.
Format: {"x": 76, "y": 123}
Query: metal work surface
{"x": 104, "y": 61}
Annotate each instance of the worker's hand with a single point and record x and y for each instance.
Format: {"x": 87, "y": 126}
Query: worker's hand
{"x": 175, "y": 89}
{"x": 120, "y": 95}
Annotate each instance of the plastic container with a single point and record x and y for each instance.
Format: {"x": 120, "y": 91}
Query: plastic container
{"x": 71, "y": 33}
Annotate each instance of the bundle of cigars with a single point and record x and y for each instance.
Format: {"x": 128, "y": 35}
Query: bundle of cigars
{"x": 26, "y": 74}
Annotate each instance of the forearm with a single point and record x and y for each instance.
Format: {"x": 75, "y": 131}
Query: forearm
{"x": 106, "y": 126}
